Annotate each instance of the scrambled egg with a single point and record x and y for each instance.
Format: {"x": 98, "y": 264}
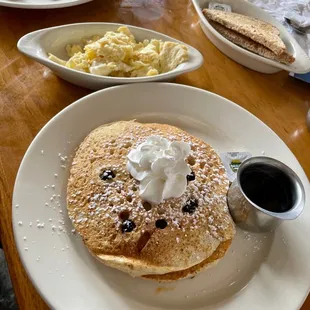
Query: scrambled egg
{"x": 118, "y": 54}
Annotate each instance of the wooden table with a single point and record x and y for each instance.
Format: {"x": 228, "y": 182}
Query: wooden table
{"x": 31, "y": 95}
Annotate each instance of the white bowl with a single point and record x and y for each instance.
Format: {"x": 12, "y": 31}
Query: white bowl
{"x": 53, "y": 40}
{"x": 245, "y": 57}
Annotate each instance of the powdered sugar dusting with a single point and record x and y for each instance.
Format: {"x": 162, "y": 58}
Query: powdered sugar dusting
{"x": 104, "y": 201}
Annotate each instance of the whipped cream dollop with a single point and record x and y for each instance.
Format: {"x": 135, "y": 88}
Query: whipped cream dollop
{"x": 160, "y": 167}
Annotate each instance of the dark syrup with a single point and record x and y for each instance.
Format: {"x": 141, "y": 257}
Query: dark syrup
{"x": 268, "y": 187}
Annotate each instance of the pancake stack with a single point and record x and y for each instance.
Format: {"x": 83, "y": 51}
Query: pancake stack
{"x": 250, "y": 33}
{"x": 174, "y": 239}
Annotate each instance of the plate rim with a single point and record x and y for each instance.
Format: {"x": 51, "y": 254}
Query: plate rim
{"x": 43, "y": 6}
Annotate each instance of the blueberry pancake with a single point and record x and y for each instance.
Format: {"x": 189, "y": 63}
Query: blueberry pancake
{"x": 150, "y": 200}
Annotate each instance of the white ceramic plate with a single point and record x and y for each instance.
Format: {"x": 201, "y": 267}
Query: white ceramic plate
{"x": 41, "y": 4}
{"x": 247, "y": 58}
{"x": 53, "y": 40}
{"x": 260, "y": 271}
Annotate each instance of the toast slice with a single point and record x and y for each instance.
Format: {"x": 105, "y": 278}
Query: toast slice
{"x": 252, "y": 28}
{"x": 251, "y": 45}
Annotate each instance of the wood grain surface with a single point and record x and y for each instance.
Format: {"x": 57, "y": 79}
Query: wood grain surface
{"x": 30, "y": 94}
